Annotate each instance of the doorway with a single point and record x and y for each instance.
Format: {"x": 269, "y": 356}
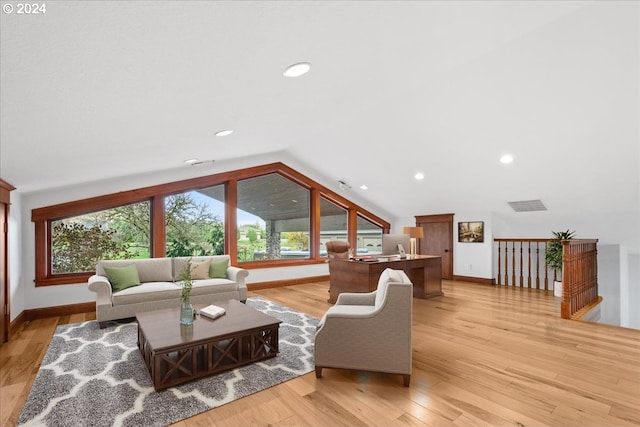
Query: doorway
{"x": 5, "y": 189}
{"x": 438, "y": 239}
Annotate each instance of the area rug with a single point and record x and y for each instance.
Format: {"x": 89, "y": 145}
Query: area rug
{"x": 97, "y": 377}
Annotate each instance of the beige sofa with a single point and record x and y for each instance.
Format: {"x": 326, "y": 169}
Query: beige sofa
{"x": 160, "y": 287}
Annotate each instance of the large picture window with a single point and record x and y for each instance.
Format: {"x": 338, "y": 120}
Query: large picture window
{"x": 77, "y": 243}
{"x": 265, "y": 216}
{"x": 194, "y": 222}
{"x": 334, "y": 222}
{"x": 273, "y": 219}
{"x": 369, "y": 237}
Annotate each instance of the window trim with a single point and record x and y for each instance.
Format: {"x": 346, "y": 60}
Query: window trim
{"x": 42, "y": 217}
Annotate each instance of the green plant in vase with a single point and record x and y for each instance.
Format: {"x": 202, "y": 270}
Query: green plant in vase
{"x": 186, "y": 282}
{"x": 553, "y": 256}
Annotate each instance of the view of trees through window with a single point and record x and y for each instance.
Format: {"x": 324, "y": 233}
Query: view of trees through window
{"x": 195, "y": 222}
{"x": 78, "y": 243}
{"x": 194, "y": 226}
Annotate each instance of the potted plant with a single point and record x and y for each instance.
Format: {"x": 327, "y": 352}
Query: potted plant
{"x": 553, "y": 257}
{"x": 186, "y": 282}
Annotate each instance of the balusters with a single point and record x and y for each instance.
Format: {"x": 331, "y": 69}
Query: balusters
{"x": 523, "y": 269}
{"x": 513, "y": 264}
{"x": 499, "y": 281}
{"x": 529, "y": 265}
{"x": 506, "y": 264}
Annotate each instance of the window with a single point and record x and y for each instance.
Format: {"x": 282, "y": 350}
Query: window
{"x": 77, "y": 243}
{"x": 194, "y": 222}
{"x": 369, "y": 237}
{"x": 264, "y": 216}
{"x": 273, "y": 219}
{"x": 333, "y": 224}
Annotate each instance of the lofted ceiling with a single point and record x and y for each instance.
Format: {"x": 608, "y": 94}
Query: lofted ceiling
{"x": 97, "y": 90}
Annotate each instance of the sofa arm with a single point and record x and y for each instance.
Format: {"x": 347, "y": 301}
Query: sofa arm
{"x": 239, "y": 275}
{"x": 353, "y": 298}
{"x": 102, "y": 287}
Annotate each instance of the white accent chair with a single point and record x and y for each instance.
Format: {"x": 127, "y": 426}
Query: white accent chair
{"x": 369, "y": 331}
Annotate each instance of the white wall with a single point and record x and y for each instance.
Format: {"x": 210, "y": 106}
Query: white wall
{"x": 14, "y": 252}
{"x": 634, "y": 291}
{"x": 611, "y": 284}
{"x": 473, "y": 259}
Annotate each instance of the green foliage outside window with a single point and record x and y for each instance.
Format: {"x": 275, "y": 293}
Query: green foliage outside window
{"x": 296, "y": 240}
{"x": 77, "y": 248}
{"x": 191, "y": 229}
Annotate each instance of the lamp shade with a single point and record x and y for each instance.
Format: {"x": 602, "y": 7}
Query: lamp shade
{"x": 413, "y": 232}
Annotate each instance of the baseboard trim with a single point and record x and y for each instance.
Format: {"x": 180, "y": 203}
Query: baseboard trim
{"x": 59, "y": 310}
{"x": 480, "y": 280}
{"x": 279, "y": 283}
{"x": 46, "y": 312}
{"x": 16, "y": 324}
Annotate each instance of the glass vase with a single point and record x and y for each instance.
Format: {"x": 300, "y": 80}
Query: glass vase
{"x": 186, "y": 313}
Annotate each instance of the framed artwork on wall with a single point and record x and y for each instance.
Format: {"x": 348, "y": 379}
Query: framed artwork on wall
{"x": 471, "y": 232}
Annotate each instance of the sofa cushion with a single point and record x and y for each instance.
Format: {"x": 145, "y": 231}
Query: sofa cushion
{"x": 180, "y": 262}
{"x": 218, "y": 269}
{"x": 200, "y": 269}
{"x": 149, "y": 269}
{"x": 203, "y": 287}
{"x": 150, "y": 291}
{"x": 122, "y": 277}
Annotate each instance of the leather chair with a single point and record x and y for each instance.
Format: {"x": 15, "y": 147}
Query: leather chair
{"x": 338, "y": 249}
{"x": 369, "y": 331}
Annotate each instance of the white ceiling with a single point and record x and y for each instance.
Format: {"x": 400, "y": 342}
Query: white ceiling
{"x": 95, "y": 90}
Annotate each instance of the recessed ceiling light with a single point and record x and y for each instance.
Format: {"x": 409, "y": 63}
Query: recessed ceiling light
{"x": 296, "y": 70}
{"x": 364, "y": 187}
{"x": 224, "y": 132}
{"x": 192, "y": 161}
{"x": 419, "y": 175}
{"x": 506, "y": 159}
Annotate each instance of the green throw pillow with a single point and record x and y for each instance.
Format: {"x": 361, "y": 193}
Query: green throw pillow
{"x": 218, "y": 269}
{"x": 122, "y": 277}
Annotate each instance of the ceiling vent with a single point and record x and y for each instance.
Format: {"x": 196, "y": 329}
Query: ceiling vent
{"x": 528, "y": 206}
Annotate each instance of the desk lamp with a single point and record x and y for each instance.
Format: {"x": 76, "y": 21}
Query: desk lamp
{"x": 414, "y": 234}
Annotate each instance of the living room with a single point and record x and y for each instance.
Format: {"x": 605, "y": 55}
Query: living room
{"x": 100, "y": 98}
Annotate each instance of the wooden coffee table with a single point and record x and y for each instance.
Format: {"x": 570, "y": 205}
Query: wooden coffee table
{"x": 175, "y": 353}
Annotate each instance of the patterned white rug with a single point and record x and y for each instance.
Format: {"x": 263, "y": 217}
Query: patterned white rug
{"x": 96, "y": 377}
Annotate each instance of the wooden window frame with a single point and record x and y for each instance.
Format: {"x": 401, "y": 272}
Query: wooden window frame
{"x": 43, "y": 217}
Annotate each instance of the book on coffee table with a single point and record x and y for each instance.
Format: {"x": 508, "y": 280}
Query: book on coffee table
{"x": 212, "y": 311}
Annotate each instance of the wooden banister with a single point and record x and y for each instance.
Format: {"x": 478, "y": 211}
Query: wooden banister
{"x": 523, "y": 258}
{"x": 514, "y": 267}
{"x": 579, "y": 275}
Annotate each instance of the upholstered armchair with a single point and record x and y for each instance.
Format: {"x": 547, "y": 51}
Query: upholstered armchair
{"x": 337, "y": 249}
{"x": 369, "y": 331}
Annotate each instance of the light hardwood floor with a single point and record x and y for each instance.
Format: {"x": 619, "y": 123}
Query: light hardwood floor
{"x": 482, "y": 355}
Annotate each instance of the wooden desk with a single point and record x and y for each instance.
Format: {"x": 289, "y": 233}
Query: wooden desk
{"x": 425, "y": 272}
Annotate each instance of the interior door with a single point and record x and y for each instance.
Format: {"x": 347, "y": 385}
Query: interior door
{"x": 5, "y": 189}
{"x": 438, "y": 240}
